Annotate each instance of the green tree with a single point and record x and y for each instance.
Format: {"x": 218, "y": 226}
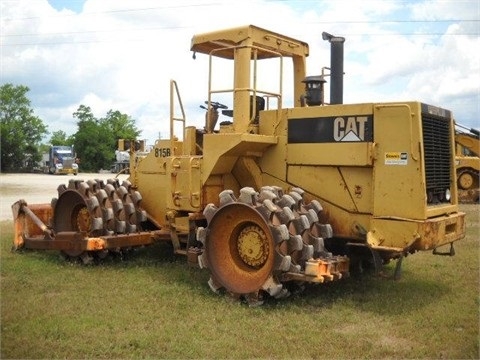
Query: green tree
{"x": 121, "y": 126}
{"x": 89, "y": 140}
{"x": 60, "y": 138}
{"x": 20, "y": 130}
{"x": 96, "y": 139}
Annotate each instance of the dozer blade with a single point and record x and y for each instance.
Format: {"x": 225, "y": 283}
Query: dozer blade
{"x": 31, "y": 232}
{"x": 29, "y": 222}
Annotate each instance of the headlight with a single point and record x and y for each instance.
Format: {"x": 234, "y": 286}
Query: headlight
{"x": 74, "y": 166}
{"x": 448, "y": 195}
{"x": 59, "y": 166}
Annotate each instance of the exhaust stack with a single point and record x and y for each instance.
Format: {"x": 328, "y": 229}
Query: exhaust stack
{"x": 336, "y": 67}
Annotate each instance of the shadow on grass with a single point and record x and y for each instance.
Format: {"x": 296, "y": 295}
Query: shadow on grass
{"x": 371, "y": 293}
{"x": 368, "y": 292}
{"x": 157, "y": 261}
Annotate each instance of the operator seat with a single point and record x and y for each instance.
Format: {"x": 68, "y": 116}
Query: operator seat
{"x": 259, "y": 106}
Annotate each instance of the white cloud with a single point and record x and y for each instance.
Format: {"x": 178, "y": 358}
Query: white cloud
{"x": 121, "y": 55}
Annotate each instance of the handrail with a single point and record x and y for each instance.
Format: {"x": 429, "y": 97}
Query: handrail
{"x": 174, "y": 87}
{"x": 252, "y": 90}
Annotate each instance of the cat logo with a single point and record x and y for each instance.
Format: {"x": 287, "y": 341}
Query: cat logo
{"x": 331, "y": 129}
{"x": 350, "y": 129}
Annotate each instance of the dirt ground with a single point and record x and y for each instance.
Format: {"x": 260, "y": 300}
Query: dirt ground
{"x": 37, "y": 188}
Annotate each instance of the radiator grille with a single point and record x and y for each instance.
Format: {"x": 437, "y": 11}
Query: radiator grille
{"x": 67, "y": 163}
{"x": 437, "y": 150}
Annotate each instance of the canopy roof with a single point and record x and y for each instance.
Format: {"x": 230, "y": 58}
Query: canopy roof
{"x": 269, "y": 43}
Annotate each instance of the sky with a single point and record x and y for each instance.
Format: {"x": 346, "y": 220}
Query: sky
{"x": 122, "y": 54}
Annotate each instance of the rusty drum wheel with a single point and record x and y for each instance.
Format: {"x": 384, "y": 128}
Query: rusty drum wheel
{"x": 94, "y": 208}
{"x": 252, "y": 242}
{"x": 240, "y": 252}
{"x": 76, "y": 210}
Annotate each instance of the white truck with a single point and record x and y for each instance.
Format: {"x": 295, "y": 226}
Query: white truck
{"x": 122, "y": 161}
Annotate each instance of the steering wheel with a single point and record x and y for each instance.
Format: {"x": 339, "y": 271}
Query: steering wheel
{"x": 215, "y": 105}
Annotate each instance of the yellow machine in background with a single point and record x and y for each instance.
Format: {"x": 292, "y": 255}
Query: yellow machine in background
{"x": 273, "y": 196}
{"x": 467, "y": 162}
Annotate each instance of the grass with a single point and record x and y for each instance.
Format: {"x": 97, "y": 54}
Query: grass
{"x": 155, "y": 306}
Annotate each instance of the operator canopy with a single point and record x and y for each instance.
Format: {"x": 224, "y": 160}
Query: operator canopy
{"x": 269, "y": 44}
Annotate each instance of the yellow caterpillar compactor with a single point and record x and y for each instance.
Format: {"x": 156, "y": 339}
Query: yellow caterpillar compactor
{"x": 467, "y": 163}
{"x": 274, "y": 197}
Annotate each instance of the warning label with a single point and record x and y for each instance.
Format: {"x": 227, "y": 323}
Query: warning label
{"x": 396, "y": 158}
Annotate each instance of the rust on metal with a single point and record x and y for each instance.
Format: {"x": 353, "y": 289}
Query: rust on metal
{"x": 125, "y": 240}
{"x": 252, "y": 246}
{"x": 328, "y": 269}
{"x": 73, "y": 242}
{"x": 30, "y": 221}
{"x": 439, "y": 231}
{"x": 70, "y": 242}
{"x": 225, "y": 262}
